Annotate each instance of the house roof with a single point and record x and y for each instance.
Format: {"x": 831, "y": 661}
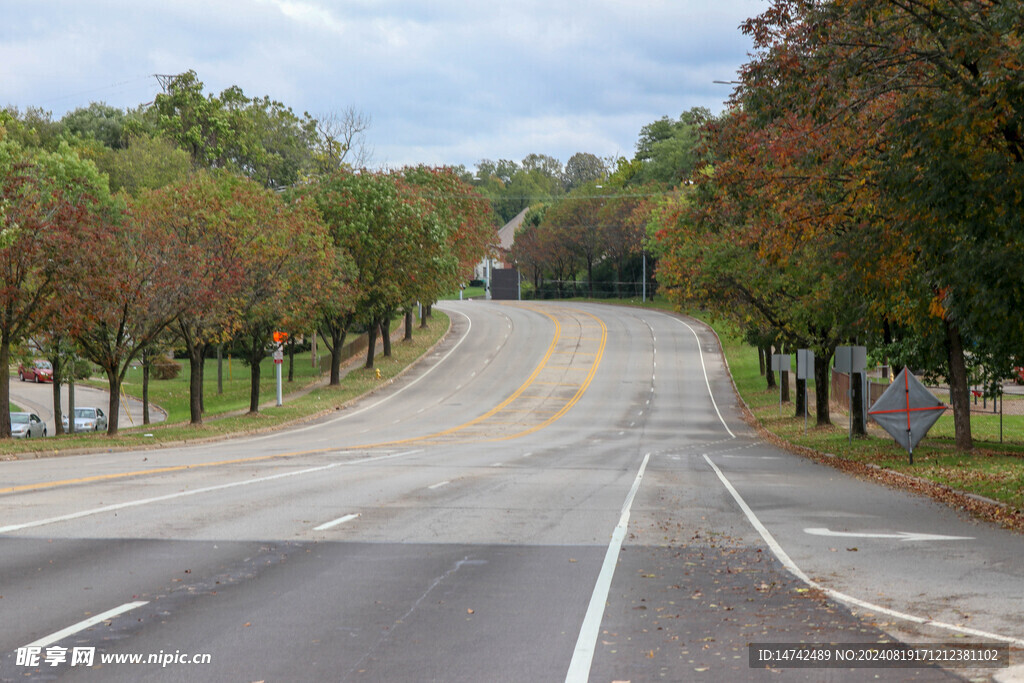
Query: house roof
{"x": 507, "y": 233}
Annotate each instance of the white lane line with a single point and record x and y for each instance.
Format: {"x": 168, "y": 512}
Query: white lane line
{"x": 439, "y": 484}
{"x": 46, "y": 641}
{"x": 583, "y": 655}
{"x": 788, "y": 563}
{"x": 336, "y": 522}
{"x": 193, "y": 492}
{"x": 700, "y": 350}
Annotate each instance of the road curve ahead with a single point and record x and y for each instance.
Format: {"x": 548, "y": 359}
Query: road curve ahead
{"x": 559, "y": 492}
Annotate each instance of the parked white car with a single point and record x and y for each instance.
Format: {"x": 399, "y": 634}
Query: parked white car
{"x": 27, "y": 426}
{"x": 87, "y": 420}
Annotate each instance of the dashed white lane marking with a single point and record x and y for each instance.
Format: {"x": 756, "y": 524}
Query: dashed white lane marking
{"x": 82, "y": 625}
{"x": 336, "y": 522}
{"x": 195, "y": 492}
{"x": 439, "y": 484}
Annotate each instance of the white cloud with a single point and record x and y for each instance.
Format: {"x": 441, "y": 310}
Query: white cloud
{"x": 445, "y": 81}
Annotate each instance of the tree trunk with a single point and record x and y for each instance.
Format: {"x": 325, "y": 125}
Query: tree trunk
{"x": 959, "y": 393}
{"x": 202, "y": 377}
{"x": 336, "y": 346}
{"x": 385, "y": 335}
{"x": 195, "y": 384}
{"x": 769, "y": 374}
{"x": 857, "y": 414}
{"x": 423, "y": 316}
{"x": 291, "y": 358}
{"x": 114, "y": 404}
{"x": 58, "y": 378}
{"x": 5, "y": 389}
{"x": 220, "y": 369}
{"x": 801, "y": 398}
{"x": 408, "y": 324}
{"x": 822, "y": 374}
{"x": 254, "y": 384}
{"x": 760, "y": 360}
{"x": 147, "y": 363}
{"x": 371, "y": 347}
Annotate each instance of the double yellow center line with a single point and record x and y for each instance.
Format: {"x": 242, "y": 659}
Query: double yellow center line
{"x": 481, "y": 428}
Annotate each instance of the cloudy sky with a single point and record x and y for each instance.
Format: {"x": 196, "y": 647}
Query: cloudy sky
{"x": 443, "y": 81}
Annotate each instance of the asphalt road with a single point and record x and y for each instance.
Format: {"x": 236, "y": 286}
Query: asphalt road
{"x": 558, "y": 493}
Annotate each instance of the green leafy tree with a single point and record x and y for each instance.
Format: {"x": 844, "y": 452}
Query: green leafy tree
{"x": 583, "y": 168}
{"x": 146, "y": 162}
{"x": 668, "y": 149}
{"x": 99, "y": 122}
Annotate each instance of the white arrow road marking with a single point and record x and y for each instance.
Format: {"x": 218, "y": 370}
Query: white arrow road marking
{"x": 788, "y": 563}
{"x": 900, "y": 535}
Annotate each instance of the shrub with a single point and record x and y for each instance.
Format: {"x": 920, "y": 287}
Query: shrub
{"x": 162, "y": 367}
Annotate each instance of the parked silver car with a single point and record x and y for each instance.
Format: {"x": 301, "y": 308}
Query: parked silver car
{"x": 87, "y": 420}
{"x": 27, "y": 426}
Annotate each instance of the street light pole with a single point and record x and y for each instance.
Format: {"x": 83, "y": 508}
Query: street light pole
{"x": 644, "y": 284}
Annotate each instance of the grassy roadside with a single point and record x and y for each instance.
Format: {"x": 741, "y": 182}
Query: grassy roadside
{"x": 992, "y": 471}
{"x": 308, "y": 396}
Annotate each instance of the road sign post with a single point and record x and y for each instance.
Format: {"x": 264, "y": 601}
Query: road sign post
{"x": 781, "y": 364}
{"x": 278, "y": 364}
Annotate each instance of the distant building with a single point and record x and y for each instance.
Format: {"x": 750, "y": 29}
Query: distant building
{"x": 506, "y": 237}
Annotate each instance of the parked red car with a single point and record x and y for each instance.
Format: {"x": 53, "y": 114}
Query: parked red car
{"x": 38, "y": 371}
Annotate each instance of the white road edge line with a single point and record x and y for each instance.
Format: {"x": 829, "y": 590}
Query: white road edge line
{"x": 700, "y": 350}
{"x": 583, "y": 655}
{"x": 82, "y": 625}
{"x": 182, "y": 494}
{"x": 439, "y": 484}
{"x": 336, "y": 522}
{"x": 353, "y": 413}
{"x": 788, "y": 563}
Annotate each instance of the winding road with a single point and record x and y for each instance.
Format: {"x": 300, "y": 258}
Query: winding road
{"x": 558, "y": 492}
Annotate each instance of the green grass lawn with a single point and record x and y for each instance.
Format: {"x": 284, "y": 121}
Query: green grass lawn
{"x": 467, "y": 293}
{"x": 307, "y": 396}
{"x": 992, "y": 470}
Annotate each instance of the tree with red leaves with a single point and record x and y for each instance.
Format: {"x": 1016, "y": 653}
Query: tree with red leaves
{"x": 50, "y": 204}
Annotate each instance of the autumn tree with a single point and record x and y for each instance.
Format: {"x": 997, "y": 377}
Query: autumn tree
{"x": 209, "y": 216}
{"x": 369, "y": 219}
{"x": 938, "y": 84}
{"x": 467, "y": 225}
{"x": 284, "y": 262}
{"x": 131, "y": 281}
{"x": 576, "y": 218}
{"x": 49, "y": 203}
